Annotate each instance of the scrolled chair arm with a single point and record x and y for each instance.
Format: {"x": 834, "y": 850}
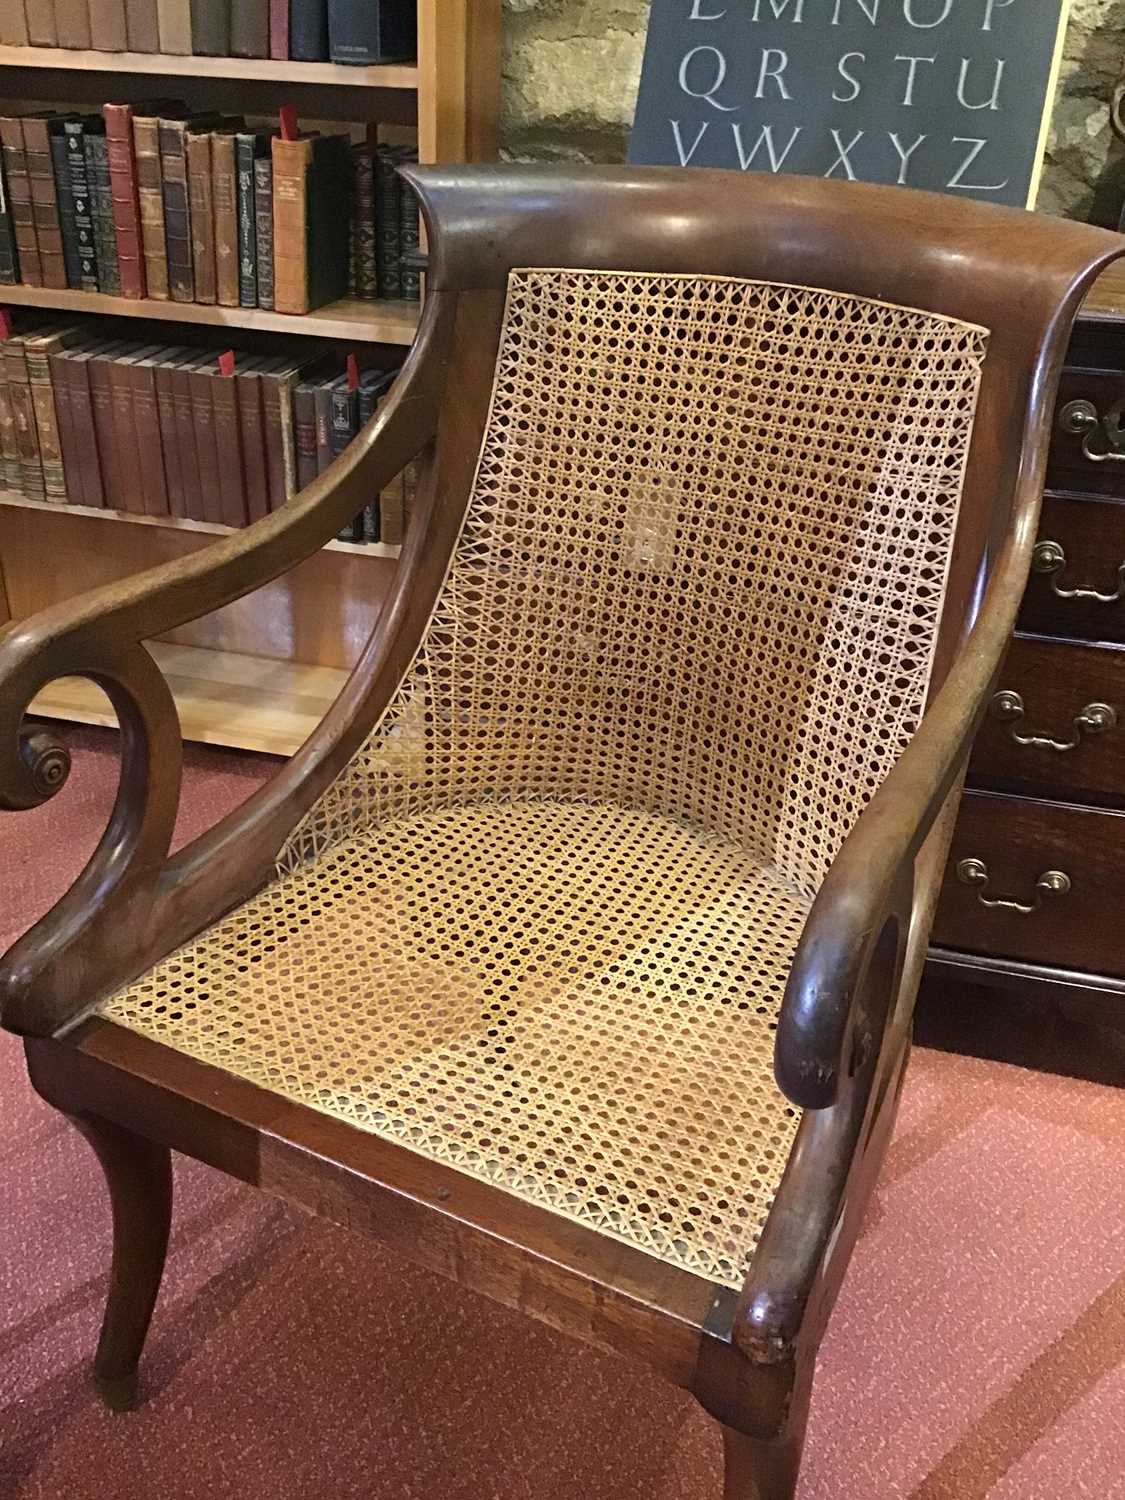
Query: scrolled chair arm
{"x": 118, "y": 917}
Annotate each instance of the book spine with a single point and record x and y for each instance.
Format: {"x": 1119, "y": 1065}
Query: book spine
{"x": 173, "y": 24}
{"x": 101, "y": 194}
{"x": 308, "y": 30}
{"x": 41, "y": 28}
{"x": 68, "y": 450}
{"x": 363, "y": 32}
{"x": 13, "y": 24}
{"x": 322, "y": 402}
{"x": 150, "y": 446}
{"x": 101, "y": 400}
{"x": 83, "y": 207}
{"x": 345, "y": 418}
{"x": 228, "y": 448}
{"x": 249, "y": 391}
{"x": 250, "y": 28}
{"x": 290, "y": 236}
{"x": 127, "y": 231}
{"x": 141, "y": 26}
{"x": 23, "y": 415}
{"x": 185, "y": 443}
{"x": 388, "y": 224}
{"x": 304, "y": 424}
{"x": 9, "y": 447}
{"x": 125, "y": 437}
{"x": 72, "y": 23}
{"x": 177, "y": 210}
{"x": 44, "y": 202}
{"x": 203, "y": 421}
{"x": 410, "y": 280}
{"x": 77, "y": 372}
{"x": 364, "y": 271}
{"x": 46, "y": 421}
{"x": 150, "y": 192}
{"x": 64, "y": 195}
{"x": 9, "y": 254}
{"x": 279, "y": 30}
{"x": 210, "y": 27}
{"x": 224, "y": 193}
{"x": 392, "y": 513}
{"x": 273, "y": 397}
{"x": 19, "y": 200}
{"x": 169, "y": 435}
{"x": 201, "y": 199}
{"x": 247, "y": 233}
{"x": 263, "y": 228}
{"x": 107, "y": 23}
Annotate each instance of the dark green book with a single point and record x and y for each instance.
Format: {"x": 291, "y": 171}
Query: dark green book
{"x": 249, "y": 146}
{"x": 101, "y": 193}
{"x": 64, "y": 199}
{"x": 80, "y": 188}
{"x": 388, "y": 223}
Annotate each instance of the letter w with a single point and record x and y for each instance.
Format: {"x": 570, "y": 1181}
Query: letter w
{"x": 746, "y": 158}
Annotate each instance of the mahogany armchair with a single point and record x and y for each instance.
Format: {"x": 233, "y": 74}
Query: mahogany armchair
{"x": 642, "y": 783}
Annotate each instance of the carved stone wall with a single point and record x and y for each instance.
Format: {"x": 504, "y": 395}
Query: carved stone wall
{"x": 570, "y": 83}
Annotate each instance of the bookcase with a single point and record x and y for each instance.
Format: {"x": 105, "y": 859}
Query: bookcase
{"x": 260, "y": 673}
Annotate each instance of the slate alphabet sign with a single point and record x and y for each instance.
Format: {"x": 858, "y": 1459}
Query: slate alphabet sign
{"x": 950, "y": 95}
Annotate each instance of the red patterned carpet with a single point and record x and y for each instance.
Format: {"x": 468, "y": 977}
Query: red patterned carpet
{"x": 978, "y": 1348}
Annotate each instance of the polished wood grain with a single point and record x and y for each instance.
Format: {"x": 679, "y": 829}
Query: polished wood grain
{"x": 843, "y": 1036}
{"x": 1070, "y": 469}
{"x": 239, "y": 69}
{"x": 1091, "y": 533}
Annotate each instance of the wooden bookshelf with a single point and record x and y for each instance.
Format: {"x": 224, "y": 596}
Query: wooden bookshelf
{"x": 260, "y": 673}
{"x": 350, "y": 319}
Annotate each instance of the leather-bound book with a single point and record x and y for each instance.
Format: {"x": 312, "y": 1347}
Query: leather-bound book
{"x": 304, "y": 425}
{"x": 248, "y": 388}
{"x": 38, "y": 132}
{"x": 141, "y": 26}
{"x": 206, "y": 452}
{"x": 322, "y": 404}
{"x": 41, "y": 28}
{"x": 308, "y": 30}
{"x": 99, "y": 370}
{"x": 60, "y": 389}
{"x": 82, "y": 202}
{"x": 364, "y": 281}
{"x": 10, "y": 472}
{"x": 409, "y": 223}
{"x": 150, "y": 191}
{"x": 13, "y": 24}
{"x": 38, "y": 349}
{"x": 224, "y": 192}
{"x": 279, "y": 30}
{"x": 201, "y": 201}
{"x": 107, "y": 23}
{"x": 173, "y": 24}
{"x": 125, "y": 429}
{"x": 150, "y": 440}
{"x": 250, "y": 28}
{"x": 162, "y": 370}
{"x": 64, "y": 202}
{"x": 249, "y": 146}
{"x": 30, "y": 465}
{"x": 9, "y": 254}
{"x": 18, "y": 186}
{"x": 77, "y": 374}
{"x": 263, "y": 228}
{"x": 311, "y": 200}
{"x": 364, "y": 32}
{"x": 277, "y": 421}
{"x": 388, "y": 223}
{"x": 182, "y": 397}
{"x": 101, "y": 195}
{"x": 125, "y": 199}
{"x": 177, "y": 210}
{"x": 72, "y": 23}
{"x": 210, "y": 27}
{"x": 228, "y": 446}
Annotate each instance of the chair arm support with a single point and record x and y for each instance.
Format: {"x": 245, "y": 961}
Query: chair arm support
{"x": 820, "y": 1035}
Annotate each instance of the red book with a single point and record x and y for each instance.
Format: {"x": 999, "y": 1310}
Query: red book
{"x": 126, "y": 204}
{"x": 279, "y": 29}
{"x": 206, "y": 452}
{"x": 146, "y": 421}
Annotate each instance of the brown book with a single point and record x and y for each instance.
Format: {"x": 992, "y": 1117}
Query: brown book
{"x": 68, "y": 451}
{"x": 38, "y": 349}
{"x": 173, "y": 19}
{"x": 44, "y": 198}
{"x": 291, "y": 161}
{"x": 107, "y": 24}
{"x": 228, "y": 446}
{"x": 19, "y": 197}
{"x": 201, "y": 201}
{"x": 250, "y": 28}
{"x": 146, "y": 421}
{"x": 23, "y": 417}
{"x": 254, "y": 470}
{"x": 72, "y": 22}
{"x": 41, "y": 28}
{"x": 77, "y": 373}
{"x": 9, "y": 447}
{"x": 277, "y": 422}
{"x": 224, "y": 190}
{"x": 125, "y": 429}
{"x": 206, "y": 452}
{"x": 101, "y": 400}
{"x": 169, "y": 435}
{"x": 141, "y": 26}
{"x": 13, "y": 24}
{"x": 185, "y": 434}
{"x": 150, "y": 192}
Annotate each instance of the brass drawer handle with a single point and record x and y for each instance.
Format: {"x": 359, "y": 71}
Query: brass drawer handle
{"x": 1095, "y": 718}
{"x": 1082, "y": 416}
{"x": 1049, "y": 558}
{"x": 1050, "y": 883}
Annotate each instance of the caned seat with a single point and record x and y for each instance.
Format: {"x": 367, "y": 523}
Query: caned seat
{"x": 541, "y": 926}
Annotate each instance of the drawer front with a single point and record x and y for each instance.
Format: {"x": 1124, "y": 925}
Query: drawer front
{"x": 1055, "y": 727}
{"x": 1013, "y": 850}
{"x": 1077, "y": 583}
{"x": 1089, "y": 429}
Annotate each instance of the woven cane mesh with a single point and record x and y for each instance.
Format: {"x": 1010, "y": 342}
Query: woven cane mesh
{"x": 539, "y": 928}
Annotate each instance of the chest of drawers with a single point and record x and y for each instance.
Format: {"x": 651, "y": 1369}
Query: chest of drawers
{"x": 1027, "y": 961}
